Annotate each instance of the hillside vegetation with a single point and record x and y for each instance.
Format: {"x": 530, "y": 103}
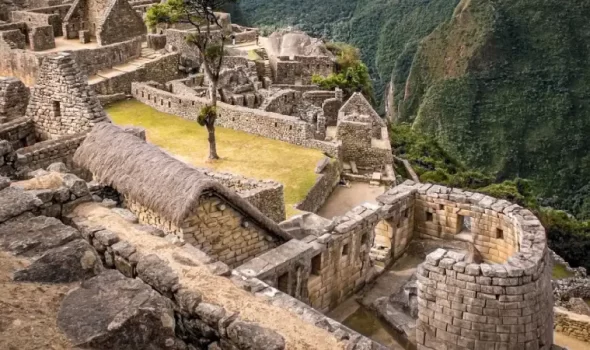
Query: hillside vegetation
{"x": 504, "y": 87}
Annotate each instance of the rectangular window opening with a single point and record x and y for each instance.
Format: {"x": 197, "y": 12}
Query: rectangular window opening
{"x": 406, "y": 213}
{"x": 345, "y": 250}
{"x": 499, "y": 233}
{"x": 316, "y": 265}
{"x": 429, "y": 216}
{"x": 56, "y": 109}
{"x": 364, "y": 238}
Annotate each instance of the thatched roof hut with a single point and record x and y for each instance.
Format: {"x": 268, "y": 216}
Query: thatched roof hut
{"x": 146, "y": 174}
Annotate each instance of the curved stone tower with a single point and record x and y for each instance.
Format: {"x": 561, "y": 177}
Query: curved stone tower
{"x": 506, "y": 302}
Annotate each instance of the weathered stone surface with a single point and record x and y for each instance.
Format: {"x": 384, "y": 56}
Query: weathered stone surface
{"x": 15, "y": 201}
{"x": 4, "y": 182}
{"x": 58, "y": 167}
{"x": 111, "y": 311}
{"x": 250, "y": 336}
{"x": 156, "y": 272}
{"x": 126, "y": 214}
{"x": 76, "y": 185}
{"x": 75, "y": 261}
{"x": 32, "y": 236}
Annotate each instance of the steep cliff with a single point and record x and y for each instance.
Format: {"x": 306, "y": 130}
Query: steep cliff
{"x": 504, "y": 86}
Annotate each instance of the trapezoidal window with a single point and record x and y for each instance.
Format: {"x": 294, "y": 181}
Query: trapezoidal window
{"x": 345, "y": 250}
{"x": 499, "y": 233}
{"x": 57, "y": 108}
{"x": 429, "y": 216}
{"x": 316, "y": 265}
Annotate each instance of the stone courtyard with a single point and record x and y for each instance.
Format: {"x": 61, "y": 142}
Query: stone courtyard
{"x": 112, "y": 237}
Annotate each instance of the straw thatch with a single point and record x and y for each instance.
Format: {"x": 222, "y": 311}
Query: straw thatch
{"x": 148, "y": 175}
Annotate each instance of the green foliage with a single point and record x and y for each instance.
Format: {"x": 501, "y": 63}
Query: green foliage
{"x": 207, "y": 116}
{"x": 559, "y": 272}
{"x": 567, "y": 236}
{"x": 352, "y": 75}
{"x": 163, "y": 13}
{"x": 431, "y": 162}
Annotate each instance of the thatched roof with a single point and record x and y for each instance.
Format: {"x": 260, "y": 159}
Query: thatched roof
{"x": 148, "y": 175}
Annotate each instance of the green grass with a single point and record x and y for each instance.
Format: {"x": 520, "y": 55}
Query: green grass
{"x": 253, "y": 56}
{"x": 248, "y": 155}
{"x": 559, "y": 272}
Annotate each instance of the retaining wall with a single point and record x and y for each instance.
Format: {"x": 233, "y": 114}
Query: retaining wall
{"x": 43, "y": 154}
{"x": 324, "y": 185}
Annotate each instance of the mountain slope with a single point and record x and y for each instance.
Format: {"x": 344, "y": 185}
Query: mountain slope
{"x": 504, "y": 86}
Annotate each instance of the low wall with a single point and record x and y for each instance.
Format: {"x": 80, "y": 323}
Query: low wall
{"x": 324, "y": 185}
{"x": 572, "y": 324}
{"x": 91, "y": 61}
{"x": 160, "y": 70}
{"x": 39, "y": 19}
{"x": 253, "y": 121}
{"x": 43, "y": 154}
{"x": 206, "y": 300}
{"x": 19, "y": 132}
{"x": 20, "y": 64}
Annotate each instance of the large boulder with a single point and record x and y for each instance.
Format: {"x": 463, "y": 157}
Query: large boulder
{"x": 250, "y": 336}
{"x": 15, "y": 201}
{"x": 75, "y": 261}
{"x": 111, "y": 311}
{"x": 33, "y": 236}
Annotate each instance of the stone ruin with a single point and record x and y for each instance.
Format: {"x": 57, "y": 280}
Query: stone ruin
{"x": 211, "y": 262}
{"x": 61, "y": 103}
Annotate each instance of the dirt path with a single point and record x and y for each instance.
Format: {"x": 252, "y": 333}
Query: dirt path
{"x": 569, "y": 342}
{"x": 345, "y": 198}
{"x": 28, "y": 311}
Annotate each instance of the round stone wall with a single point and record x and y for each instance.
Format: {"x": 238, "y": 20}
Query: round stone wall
{"x": 504, "y": 303}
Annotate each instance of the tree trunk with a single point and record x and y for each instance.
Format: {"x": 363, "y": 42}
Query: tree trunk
{"x": 211, "y": 123}
{"x": 211, "y": 139}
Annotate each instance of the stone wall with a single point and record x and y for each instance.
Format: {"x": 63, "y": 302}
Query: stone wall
{"x": 300, "y": 69}
{"x": 92, "y": 60}
{"x": 285, "y": 268}
{"x": 504, "y": 303}
{"x": 270, "y": 125}
{"x": 19, "y": 63}
{"x": 42, "y": 154}
{"x": 13, "y": 39}
{"x": 204, "y": 318}
{"x": 41, "y": 38}
{"x": 358, "y": 145}
{"x": 572, "y": 324}
{"x": 283, "y": 102}
{"x": 19, "y": 132}
{"x": 215, "y": 228}
{"x": 119, "y": 24}
{"x": 161, "y": 70}
{"x": 14, "y": 97}
{"x": 61, "y": 102}
{"x": 328, "y": 171}
{"x": 39, "y": 19}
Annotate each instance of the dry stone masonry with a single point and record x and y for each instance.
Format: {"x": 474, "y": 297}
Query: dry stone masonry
{"x": 61, "y": 102}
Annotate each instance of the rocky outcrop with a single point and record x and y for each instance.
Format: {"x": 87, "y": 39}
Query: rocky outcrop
{"x": 75, "y": 261}
{"x": 111, "y": 311}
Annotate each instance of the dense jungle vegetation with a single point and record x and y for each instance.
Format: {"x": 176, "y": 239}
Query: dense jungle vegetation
{"x": 483, "y": 93}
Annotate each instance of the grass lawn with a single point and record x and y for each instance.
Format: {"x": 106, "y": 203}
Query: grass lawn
{"x": 559, "y": 272}
{"x": 248, "y": 155}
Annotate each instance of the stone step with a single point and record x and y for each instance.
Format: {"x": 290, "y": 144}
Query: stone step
{"x": 353, "y": 167}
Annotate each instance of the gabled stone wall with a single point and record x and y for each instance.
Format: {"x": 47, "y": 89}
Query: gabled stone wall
{"x": 215, "y": 228}
{"x": 62, "y": 103}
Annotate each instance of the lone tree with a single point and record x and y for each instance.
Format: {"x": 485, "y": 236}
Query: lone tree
{"x": 209, "y": 40}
